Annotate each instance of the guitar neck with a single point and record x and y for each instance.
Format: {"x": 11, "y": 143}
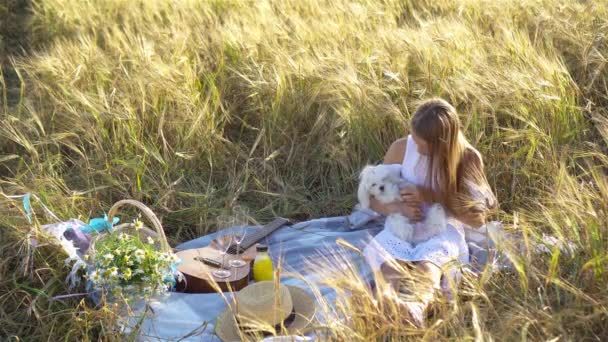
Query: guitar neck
{"x": 266, "y": 230}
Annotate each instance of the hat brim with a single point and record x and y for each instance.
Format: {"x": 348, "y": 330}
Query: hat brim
{"x": 226, "y": 326}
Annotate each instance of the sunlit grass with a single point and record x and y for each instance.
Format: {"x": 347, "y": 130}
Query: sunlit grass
{"x": 192, "y": 106}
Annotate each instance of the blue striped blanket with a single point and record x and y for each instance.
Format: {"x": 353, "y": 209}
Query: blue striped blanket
{"x": 179, "y": 315}
{"x": 190, "y": 317}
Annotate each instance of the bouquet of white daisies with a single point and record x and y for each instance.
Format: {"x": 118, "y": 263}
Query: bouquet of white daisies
{"x": 120, "y": 261}
{"x": 124, "y": 260}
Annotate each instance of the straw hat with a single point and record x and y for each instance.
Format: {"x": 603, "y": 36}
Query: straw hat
{"x": 262, "y": 305}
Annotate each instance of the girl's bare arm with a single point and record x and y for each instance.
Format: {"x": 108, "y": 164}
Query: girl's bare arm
{"x": 411, "y": 212}
{"x": 385, "y": 209}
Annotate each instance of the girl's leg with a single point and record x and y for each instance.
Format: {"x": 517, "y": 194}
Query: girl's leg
{"x": 394, "y": 276}
{"x": 429, "y": 281}
{"x": 415, "y": 287}
{"x": 420, "y": 278}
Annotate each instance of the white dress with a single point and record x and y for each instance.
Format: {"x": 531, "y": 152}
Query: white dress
{"x": 449, "y": 246}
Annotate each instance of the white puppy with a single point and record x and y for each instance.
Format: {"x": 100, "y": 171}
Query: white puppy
{"x": 384, "y": 182}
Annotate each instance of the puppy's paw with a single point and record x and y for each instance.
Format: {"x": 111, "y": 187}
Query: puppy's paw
{"x": 400, "y": 226}
{"x": 406, "y": 233}
{"x": 436, "y": 218}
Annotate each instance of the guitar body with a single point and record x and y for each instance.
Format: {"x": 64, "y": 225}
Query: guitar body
{"x": 199, "y": 275}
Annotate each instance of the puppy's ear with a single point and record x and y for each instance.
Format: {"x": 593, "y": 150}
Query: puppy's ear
{"x": 366, "y": 171}
{"x": 363, "y": 195}
{"x": 363, "y": 192}
{"x": 393, "y": 178}
{"x": 394, "y": 171}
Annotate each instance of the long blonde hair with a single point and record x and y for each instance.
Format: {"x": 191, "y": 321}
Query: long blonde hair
{"x": 456, "y": 172}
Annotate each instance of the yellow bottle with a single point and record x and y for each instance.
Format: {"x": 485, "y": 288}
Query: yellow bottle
{"x": 262, "y": 265}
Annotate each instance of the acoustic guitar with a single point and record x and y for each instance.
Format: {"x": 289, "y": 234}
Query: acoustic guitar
{"x": 199, "y": 263}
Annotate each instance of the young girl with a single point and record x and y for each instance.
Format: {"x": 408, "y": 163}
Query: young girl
{"x": 445, "y": 169}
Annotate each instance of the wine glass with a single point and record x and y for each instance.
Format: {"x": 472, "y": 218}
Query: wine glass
{"x": 222, "y": 243}
{"x": 241, "y": 217}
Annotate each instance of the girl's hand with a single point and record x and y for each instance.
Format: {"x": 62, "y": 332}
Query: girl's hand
{"x": 412, "y": 195}
{"x": 412, "y": 212}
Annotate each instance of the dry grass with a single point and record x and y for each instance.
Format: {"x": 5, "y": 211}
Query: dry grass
{"x": 192, "y": 106}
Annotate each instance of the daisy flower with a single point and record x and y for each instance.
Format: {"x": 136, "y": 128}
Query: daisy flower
{"x": 112, "y": 272}
{"x": 173, "y": 259}
{"x": 127, "y": 274}
{"x": 107, "y": 259}
{"x": 150, "y": 240}
{"x": 94, "y": 276}
{"x": 138, "y": 224}
{"x": 139, "y": 254}
{"x": 127, "y": 260}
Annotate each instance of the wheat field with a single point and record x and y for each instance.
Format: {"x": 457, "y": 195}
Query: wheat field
{"x": 193, "y": 106}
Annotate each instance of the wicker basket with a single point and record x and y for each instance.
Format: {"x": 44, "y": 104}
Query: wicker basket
{"x": 158, "y": 234}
